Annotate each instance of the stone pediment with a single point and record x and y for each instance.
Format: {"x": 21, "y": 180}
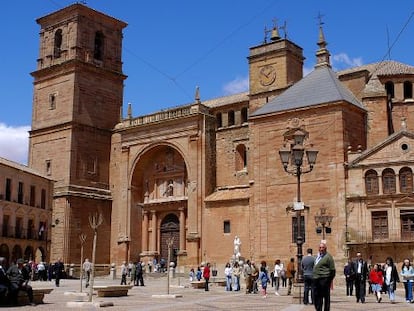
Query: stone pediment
{"x": 396, "y": 149}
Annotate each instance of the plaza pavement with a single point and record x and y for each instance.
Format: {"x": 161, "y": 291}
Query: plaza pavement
{"x": 142, "y": 298}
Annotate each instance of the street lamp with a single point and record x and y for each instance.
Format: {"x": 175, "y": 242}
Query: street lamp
{"x": 292, "y": 160}
{"x": 323, "y": 222}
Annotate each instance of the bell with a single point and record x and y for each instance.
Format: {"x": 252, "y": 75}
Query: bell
{"x": 275, "y": 34}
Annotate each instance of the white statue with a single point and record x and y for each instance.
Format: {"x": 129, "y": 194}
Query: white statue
{"x": 237, "y": 244}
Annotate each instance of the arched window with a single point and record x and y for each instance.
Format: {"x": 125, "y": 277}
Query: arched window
{"x": 371, "y": 182}
{"x": 406, "y": 180}
{"x": 244, "y": 115}
{"x": 241, "y": 157}
{"x": 230, "y": 118}
{"x": 57, "y": 44}
{"x": 389, "y": 88}
{"x": 219, "y": 120}
{"x": 408, "y": 90}
{"x": 388, "y": 181}
{"x": 99, "y": 44}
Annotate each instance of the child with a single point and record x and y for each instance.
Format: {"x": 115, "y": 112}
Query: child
{"x": 377, "y": 279}
{"x": 191, "y": 275}
{"x": 199, "y": 274}
{"x": 264, "y": 279}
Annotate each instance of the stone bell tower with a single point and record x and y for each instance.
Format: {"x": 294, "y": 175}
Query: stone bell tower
{"x": 274, "y": 65}
{"x": 78, "y": 94}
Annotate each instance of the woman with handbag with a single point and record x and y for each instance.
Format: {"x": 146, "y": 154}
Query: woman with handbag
{"x": 391, "y": 278}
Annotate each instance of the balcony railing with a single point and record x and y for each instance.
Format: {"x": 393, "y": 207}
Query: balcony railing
{"x": 392, "y": 235}
{"x": 21, "y": 233}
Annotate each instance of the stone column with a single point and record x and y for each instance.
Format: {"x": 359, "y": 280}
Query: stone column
{"x": 380, "y": 190}
{"x": 145, "y": 232}
{"x": 182, "y": 229}
{"x": 154, "y": 231}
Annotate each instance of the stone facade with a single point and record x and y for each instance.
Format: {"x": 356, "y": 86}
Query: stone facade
{"x": 183, "y": 182}
{"x": 25, "y": 213}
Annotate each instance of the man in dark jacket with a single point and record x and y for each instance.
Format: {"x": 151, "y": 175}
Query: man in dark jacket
{"x": 139, "y": 279}
{"x": 19, "y": 277}
{"x": 58, "y": 271}
{"x": 360, "y": 270}
{"x": 5, "y": 284}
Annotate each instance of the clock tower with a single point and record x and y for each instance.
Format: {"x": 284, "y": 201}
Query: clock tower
{"x": 273, "y": 66}
{"x": 77, "y": 101}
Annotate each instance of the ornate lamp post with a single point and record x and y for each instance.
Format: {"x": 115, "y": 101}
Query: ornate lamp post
{"x": 292, "y": 159}
{"x": 323, "y": 222}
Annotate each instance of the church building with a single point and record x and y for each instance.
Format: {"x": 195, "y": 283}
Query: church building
{"x": 182, "y": 183}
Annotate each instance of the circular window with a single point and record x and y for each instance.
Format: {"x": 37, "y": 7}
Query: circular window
{"x": 404, "y": 147}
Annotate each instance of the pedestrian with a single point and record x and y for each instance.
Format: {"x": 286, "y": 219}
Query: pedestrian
{"x": 206, "y": 275}
{"x": 370, "y": 267}
{"x": 58, "y": 271}
{"x": 360, "y": 269}
{"x": 254, "y": 277}
{"x": 50, "y": 273}
{"x": 323, "y": 275}
{"x": 391, "y": 278}
{"x": 264, "y": 279}
{"x": 124, "y": 273}
{"x": 191, "y": 275}
{"x": 228, "y": 272}
{"x": 283, "y": 275}
{"x": 247, "y": 273}
{"x": 139, "y": 278}
{"x": 349, "y": 277}
{"x": 277, "y": 272}
{"x": 307, "y": 267}
{"x": 5, "y": 284}
{"x": 87, "y": 267}
{"x": 19, "y": 277}
{"x": 290, "y": 274}
{"x": 41, "y": 271}
{"x": 133, "y": 274}
{"x": 199, "y": 274}
{"x": 236, "y": 276}
{"x": 376, "y": 279}
{"x": 407, "y": 274}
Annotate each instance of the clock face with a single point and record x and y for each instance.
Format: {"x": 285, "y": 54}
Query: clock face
{"x": 267, "y": 75}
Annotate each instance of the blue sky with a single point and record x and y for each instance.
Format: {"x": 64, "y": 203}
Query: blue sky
{"x": 170, "y": 47}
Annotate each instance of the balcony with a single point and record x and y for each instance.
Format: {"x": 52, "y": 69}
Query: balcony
{"x": 392, "y": 236}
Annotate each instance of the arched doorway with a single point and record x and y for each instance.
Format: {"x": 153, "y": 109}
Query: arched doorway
{"x": 170, "y": 228}
{"x": 28, "y": 253}
{"x": 16, "y": 254}
{"x": 5, "y": 252}
{"x": 40, "y": 255}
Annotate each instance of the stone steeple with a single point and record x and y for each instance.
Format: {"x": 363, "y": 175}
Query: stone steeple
{"x": 322, "y": 55}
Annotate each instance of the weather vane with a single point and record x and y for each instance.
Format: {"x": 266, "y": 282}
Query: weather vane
{"x": 319, "y": 17}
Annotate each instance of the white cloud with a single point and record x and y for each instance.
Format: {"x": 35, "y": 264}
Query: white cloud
{"x": 14, "y": 143}
{"x": 342, "y": 60}
{"x": 238, "y": 85}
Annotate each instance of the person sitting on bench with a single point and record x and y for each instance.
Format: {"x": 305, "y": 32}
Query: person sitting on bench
{"x": 19, "y": 277}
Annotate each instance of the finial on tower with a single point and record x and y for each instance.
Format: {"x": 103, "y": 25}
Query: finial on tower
{"x": 197, "y": 95}
{"x": 129, "y": 111}
{"x": 322, "y": 55}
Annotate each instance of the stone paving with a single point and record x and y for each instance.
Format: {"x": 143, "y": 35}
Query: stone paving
{"x": 142, "y": 298}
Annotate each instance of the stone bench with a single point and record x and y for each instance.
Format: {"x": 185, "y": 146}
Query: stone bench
{"x": 219, "y": 282}
{"x": 112, "y": 290}
{"x": 198, "y": 284}
{"x": 38, "y": 295}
